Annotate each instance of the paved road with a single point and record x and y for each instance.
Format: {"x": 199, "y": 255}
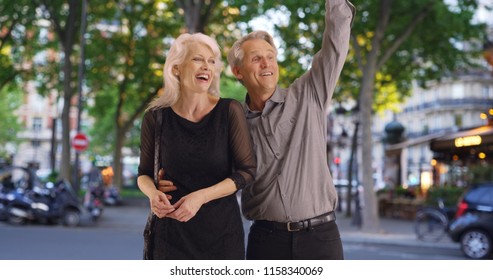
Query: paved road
{"x": 118, "y": 236}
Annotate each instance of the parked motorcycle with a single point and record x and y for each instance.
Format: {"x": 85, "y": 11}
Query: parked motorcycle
{"x": 51, "y": 204}
{"x": 94, "y": 201}
{"x": 13, "y": 181}
{"x": 4, "y": 190}
{"x": 112, "y": 196}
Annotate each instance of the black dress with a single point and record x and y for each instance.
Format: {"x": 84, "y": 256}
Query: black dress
{"x": 196, "y": 156}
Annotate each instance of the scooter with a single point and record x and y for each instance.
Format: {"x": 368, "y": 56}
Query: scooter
{"x": 52, "y": 204}
{"x": 93, "y": 201}
{"x": 112, "y": 196}
{"x": 4, "y": 191}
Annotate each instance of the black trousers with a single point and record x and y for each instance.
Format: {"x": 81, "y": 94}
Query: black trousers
{"x": 322, "y": 242}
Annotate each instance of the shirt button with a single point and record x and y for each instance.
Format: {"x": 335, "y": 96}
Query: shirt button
{"x": 278, "y": 154}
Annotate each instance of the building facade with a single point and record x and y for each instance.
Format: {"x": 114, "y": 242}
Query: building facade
{"x": 444, "y": 110}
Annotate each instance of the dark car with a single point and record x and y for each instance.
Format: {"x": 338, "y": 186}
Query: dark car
{"x": 472, "y": 225}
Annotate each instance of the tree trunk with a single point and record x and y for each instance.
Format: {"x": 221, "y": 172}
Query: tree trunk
{"x": 354, "y": 147}
{"x": 370, "y": 217}
{"x": 197, "y": 13}
{"x": 118, "y": 159}
{"x": 66, "y": 33}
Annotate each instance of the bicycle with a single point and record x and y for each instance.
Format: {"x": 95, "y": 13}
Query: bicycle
{"x": 431, "y": 223}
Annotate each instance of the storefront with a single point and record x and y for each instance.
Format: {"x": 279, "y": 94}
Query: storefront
{"x": 463, "y": 157}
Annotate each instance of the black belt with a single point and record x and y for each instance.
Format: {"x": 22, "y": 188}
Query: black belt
{"x": 300, "y": 225}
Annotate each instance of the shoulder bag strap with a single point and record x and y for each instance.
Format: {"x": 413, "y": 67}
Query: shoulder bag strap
{"x": 157, "y": 144}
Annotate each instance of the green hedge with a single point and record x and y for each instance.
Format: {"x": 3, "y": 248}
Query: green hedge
{"x": 449, "y": 194}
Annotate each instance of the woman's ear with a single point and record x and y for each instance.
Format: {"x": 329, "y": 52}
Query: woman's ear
{"x": 176, "y": 72}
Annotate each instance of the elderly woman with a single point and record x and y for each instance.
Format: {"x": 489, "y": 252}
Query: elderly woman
{"x": 205, "y": 151}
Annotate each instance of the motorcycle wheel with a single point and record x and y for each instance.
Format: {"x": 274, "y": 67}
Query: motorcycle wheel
{"x": 71, "y": 218}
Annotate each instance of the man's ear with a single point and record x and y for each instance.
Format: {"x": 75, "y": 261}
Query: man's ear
{"x": 236, "y": 72}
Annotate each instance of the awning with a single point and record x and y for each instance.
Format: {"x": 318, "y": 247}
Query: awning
{"x": 396, "y": 148}
{"x": 476, "y": 137}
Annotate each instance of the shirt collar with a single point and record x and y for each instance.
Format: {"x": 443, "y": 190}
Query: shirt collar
{"x": 277, "y": 97}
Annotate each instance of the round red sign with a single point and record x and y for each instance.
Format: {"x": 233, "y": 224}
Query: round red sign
{"x": 80, "y": 142}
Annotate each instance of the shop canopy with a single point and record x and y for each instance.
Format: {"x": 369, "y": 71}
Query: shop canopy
{"x": 480, "y": 138}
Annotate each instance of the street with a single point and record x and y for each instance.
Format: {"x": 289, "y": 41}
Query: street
{"x": 118, "y": 236}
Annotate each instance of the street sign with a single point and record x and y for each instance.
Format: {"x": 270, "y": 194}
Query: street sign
{"x": 80, "y": 142}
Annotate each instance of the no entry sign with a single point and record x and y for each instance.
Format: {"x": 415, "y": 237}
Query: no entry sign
{"x": 80, "y": 142}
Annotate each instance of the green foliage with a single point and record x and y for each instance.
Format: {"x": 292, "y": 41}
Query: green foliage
{"x": 231, "y": 88}
{"x": 449, "y": 194}
{"x": 125, "y": 56}
{"x": 11, "y": 98}
{"x": 52, "y": 177}
{"x": 481, "y": 173}
{"x": 435, "y": 48}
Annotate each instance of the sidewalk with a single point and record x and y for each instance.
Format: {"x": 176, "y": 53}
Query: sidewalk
{"x": 393, "y": 232}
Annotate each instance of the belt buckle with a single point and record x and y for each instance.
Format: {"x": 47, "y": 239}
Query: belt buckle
{"x": 289, "y": 226}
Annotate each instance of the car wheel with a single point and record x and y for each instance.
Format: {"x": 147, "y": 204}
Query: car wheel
{"x": 475, "y": 244}
{"x": 71, "y": 218}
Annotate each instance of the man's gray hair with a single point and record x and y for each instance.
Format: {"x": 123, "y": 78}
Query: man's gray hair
{"x": 236, "y": 54}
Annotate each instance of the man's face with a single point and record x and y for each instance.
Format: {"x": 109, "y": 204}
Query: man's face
{"x": 259, "y": 71}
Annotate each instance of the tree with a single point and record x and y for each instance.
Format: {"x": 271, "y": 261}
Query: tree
{"x": 125, "y": 53}
{"x": 11, "y": 100}
{"x": 127, "y": 44}
{"x": 17, "y": 50}
{"x": 393, "y": 43}
{"x": 419, "y": 40}
{"x": 65, "y": 20}
{"x": 16, "y": 25}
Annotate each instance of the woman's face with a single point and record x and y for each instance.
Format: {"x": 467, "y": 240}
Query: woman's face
{"x": 197, "y": 70}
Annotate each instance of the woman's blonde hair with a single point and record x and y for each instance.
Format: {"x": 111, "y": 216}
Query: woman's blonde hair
{"x": 176, "y": 56}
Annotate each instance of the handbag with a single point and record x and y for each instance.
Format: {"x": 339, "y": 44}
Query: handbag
{"x": 151, "y": 217}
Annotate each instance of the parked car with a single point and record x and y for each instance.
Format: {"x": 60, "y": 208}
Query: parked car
{"x": 472, "y": 225}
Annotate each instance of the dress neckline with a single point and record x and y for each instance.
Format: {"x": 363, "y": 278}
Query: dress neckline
{"x": 206, "y": 116}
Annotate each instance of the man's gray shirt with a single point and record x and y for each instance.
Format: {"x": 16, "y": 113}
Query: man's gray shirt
{"x": 293, "y": 180}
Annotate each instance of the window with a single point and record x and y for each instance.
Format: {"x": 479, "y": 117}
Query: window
{"x": 37, "y": 124}
{"x": 487, "y": 92}
{"x": 458, "y": 91}
{"x": 458, "y": 121}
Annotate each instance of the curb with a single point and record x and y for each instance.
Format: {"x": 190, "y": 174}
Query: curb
{"x": 394, "y": 239}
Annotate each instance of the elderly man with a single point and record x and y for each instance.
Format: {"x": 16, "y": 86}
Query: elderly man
{"x": 293, "y": 198}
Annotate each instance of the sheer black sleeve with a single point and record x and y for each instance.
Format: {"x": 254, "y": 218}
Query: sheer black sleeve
{"x": 146, "y": 164}
{"x": 245, "y": 165}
